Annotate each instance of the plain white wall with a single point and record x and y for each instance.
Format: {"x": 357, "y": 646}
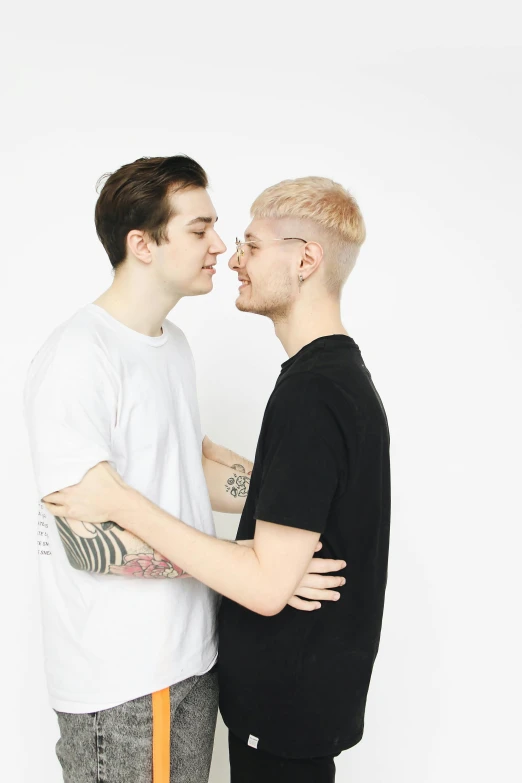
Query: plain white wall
{"x": 417, "y": 110}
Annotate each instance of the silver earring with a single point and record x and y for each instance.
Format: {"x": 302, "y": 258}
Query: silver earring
{"x": 300, "y": 278}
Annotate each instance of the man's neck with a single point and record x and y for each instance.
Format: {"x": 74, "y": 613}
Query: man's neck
{"x": 308, "y": 321}
{"x": 134, "y": 301}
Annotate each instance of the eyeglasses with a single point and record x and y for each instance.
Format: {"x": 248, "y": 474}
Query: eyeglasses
{"x": 239, "y": 245}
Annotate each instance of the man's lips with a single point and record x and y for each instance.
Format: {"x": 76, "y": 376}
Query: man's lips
{"x": 244, "y": 282}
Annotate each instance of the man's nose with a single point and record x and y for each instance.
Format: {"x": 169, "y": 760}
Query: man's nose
{"x": 234, "y": 262}
{"x": 218, "y": 246}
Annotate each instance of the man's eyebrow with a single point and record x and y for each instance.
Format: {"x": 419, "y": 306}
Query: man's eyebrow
{"x": 202, "y": 220}
{"x": 249, "y": 236}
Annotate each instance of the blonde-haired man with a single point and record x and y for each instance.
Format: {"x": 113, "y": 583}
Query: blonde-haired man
{"x": 293, "y": 685}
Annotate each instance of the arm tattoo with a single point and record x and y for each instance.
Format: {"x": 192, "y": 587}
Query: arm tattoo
{"x": 238, "y": 468}
{"x": 238, "y": 486}
{"x": 108, "y": 549}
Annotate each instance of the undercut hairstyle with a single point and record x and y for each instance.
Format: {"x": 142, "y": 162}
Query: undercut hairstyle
{"x": 330, "y": 210}
{"x": 136, "y": 197}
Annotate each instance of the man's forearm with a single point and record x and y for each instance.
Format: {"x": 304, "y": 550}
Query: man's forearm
{"x": 263, "y": 574}
{"x": 234, "y": 571}
{"x": 108, "y": 549}
{"x": 227, "y": 488}
{"x": 227, "y": 457}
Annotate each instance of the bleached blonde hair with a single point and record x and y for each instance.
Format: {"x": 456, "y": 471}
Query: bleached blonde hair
{"x": 331, "y": 209}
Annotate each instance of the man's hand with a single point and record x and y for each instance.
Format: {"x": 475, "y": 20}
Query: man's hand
{"x": 99, "y": 497}
{"x": 316, "y": 586}
{"x": 119, "y": 552}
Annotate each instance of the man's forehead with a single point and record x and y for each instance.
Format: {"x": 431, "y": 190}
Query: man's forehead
{"x": 261, "y": 227}
{"x": 193, "y": 203}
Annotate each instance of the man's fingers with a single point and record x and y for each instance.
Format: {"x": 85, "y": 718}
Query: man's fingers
{"x": 319, "y": 565}
{"x": 55, "y": 509}
{"x": 53, "y": 498}
{"x": 208, "y": 448}
{"x": 321, "y": 582}
{"x": 319, "y": 546}
{"x": 317, "y": 595}
{"x": 303, "y": 606}
{"x": 56, "y": 504}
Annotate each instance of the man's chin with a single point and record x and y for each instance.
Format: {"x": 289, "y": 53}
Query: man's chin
{"x": 247, "y": 306}
{"x": 200, "y": 289}
{"x": 244, "y": 305}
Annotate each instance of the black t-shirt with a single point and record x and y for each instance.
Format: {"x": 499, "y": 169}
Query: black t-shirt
{"x": 298, "y": 682}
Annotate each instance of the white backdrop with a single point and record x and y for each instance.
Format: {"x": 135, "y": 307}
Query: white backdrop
{"x": 417, "y": 111}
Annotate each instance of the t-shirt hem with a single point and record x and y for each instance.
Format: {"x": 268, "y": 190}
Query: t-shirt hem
{"x": 82, "y": 708}
{"x": 303, "y": 750}
{"x": 298, "y": 522}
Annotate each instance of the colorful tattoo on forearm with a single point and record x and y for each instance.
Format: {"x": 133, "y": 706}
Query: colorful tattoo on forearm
{"x": 102, "y": 550}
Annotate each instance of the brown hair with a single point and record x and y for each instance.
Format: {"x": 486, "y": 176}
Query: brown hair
{"x": 136, "y": 196}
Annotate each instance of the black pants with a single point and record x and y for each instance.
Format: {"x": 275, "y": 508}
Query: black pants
{"x": 248, "y": 765}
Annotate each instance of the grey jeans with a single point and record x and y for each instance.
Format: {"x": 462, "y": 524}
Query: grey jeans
{"x": 115, "y": 745}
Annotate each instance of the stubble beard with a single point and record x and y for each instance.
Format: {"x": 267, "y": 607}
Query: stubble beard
{"x": 275, "y": 305}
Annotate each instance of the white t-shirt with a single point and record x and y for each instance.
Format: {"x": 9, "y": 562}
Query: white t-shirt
{"x": 98, "y": 391}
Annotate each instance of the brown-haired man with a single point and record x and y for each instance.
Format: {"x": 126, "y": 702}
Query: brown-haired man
{"x": 130, "y": 648}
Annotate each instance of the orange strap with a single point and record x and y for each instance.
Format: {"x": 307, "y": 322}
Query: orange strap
{"x": 161, "y": 736}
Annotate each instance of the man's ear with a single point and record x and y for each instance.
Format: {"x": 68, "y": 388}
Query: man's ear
{"x": 138, "y": 246}
{"x": 311, "y": 259}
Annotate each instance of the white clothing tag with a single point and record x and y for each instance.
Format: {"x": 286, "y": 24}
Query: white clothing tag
{"x": 252, "y": 741}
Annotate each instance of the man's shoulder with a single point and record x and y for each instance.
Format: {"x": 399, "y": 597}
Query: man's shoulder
{"x": 178, "y": 340}
{"x": 176, "y": 335}
{"x": 308, "y": 387}
{"x": 174, "y": 330}
{"x": 312, "y": 401}
{"x": 78, "y": 341}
